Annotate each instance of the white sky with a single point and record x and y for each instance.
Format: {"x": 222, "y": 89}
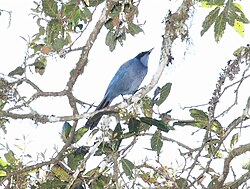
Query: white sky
{"x": 193, "y": 75}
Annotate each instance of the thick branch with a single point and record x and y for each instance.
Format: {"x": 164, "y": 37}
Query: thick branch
{"x": 39, "y": 118}
{"x": 89, "y": 44}
{"x": 175, "y": 28}
{"x": 238, "y": 182}
{"x": 235, "y": 152}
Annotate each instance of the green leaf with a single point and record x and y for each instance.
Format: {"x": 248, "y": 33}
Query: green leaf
{"x": 121, "y": 38}
{"x": 220, "y": 26}
{"x": 40, "y": 64}
{"x": 81, "y": 151}
{"x": 73, "y": 162}
{"x": 234, "y": 140}
{"x": 2, "y": 103}
{"x": 65, "y": 131}
{"x": 92, "y": 172}
{"x": 117, "y": 136}
{"x": 246, "y": 164}
{"x": 86, "y": 14}
{"x": 117, "y": 133}
{"x": 110, "y": 41}
{"x": 93, "y": 3}
{"x": 132, "y": 11}
{"x": 76, "y": 16}
{"x": 209, "y": 20}
{"x": 50, "y": 8}
{"x": 165, "y": 90}
{"x": 54, "y": 183}
{"x": 156, "y": 142}
{"x": 182, "y": 183}
{"x": 133, "y": 125}
{"x": 115, "y": 12}
{"x": 199, "y": 124}
{"x": 68, "y": 39}
{"x": 109, "y": 25}
{"x": 213, "y": 183}
{"x": 234, "y": 13}
{"x": 147, "y": 106}
{"x": 211, "y": 3}
{"x": 18, "y": 71}
{"x": 240, "y": 51}
{"x": 2, "y": 173}
{"x": 41, "y": 30}
{"x": 149, "y": 178}
{"x": 79, "y": 134}
{"x": 230, "y": 12}
{"x": 104, "y": 148}
{"x": 3, "y": 120}
{"x": 37, "y": 47}
{"x": 128, "y": 167}
{"x": 134, "y": 29}
{"x": 60, "y": 172}
{"x": 117, "y": 144}
{"x": 100, "y": 182}
{"x": 53, "y": 30}
{"x": 237, "y": 18}
{"x": 75, "y": 157}
{"x": 239, "y": 27}
{"x": 69, "y": 9}
{"x": 159, "y": 124}
{"x": 10, "y": 157}
{"x": 215, "y": 125}
{"x": 239, "y": 15}
{"x": 3, "y": 163}
{"x": 59, "y": 43}
{"x": 198, "y": 115}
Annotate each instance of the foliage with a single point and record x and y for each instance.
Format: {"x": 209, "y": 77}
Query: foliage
{"x": 224, "y": 12}
{"x": 60, "y": 25}
{"x": 121, "y": 23}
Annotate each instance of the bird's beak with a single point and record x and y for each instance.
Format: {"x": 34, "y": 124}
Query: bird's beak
{"x": 150, "y": 50}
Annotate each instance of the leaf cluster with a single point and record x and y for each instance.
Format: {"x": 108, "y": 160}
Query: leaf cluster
{"x": 121, "y": 23}
{"x": 97, "y": 177}
{"x": 57, "y": 22}
{"x": 223, "y": 13}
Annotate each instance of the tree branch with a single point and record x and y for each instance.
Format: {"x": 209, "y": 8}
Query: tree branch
{"x": 9, "y": 12}
{"x": 238, "y": 182}
{"x": 175, "y": 28}
{"x": 82, "y": 164}
{"x": 235, "y": 152}
{"x": 54, "y": 160}
{"x": 89, "y": 44}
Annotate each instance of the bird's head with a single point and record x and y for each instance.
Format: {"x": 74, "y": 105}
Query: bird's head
{"x": 143, "y": 57}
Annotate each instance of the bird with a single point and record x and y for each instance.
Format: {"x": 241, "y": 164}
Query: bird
{"x": 126, "y": 81}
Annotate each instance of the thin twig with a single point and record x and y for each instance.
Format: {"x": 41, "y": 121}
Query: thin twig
{"x": 9, "y": 12}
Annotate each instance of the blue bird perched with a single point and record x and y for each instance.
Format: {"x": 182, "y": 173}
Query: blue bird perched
{"x": 126, "y": 81}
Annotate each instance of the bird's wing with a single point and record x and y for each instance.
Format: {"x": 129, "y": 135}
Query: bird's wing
{"x": 119, "y": 75}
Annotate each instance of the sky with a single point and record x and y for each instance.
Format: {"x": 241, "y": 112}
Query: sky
{"x": 194, "y": 72}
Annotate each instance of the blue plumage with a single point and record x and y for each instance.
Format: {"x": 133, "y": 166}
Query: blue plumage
{"x": 126, "y": 81}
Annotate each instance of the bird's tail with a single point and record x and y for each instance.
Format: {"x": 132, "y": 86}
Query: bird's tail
{"x": 103, "y": 104}
{"x": 93, "y": 121}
